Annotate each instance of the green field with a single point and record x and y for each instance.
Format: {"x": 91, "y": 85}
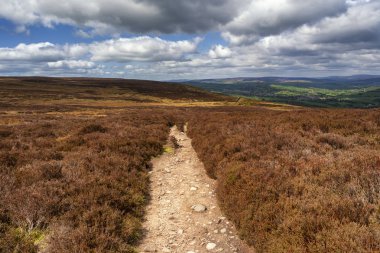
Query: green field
{"x": 362, "y": 97}
{"x": 349, "y": 92}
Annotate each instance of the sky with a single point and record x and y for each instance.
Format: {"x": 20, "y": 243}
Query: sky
{"x": 189, "y": 39}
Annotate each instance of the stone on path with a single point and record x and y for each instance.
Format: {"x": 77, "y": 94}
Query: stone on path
{"x": 199, "y": 208}
{"x": 166, "y": 250}
{"x": 210, "y": 246}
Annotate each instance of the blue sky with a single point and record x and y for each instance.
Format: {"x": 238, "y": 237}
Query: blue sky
{"x": 176, "y": 39}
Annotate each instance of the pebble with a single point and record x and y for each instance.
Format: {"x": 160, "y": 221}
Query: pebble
{"x": 166, "y": 250}
{"x": 199, "y": 208}
{"x": 210, "y": 246}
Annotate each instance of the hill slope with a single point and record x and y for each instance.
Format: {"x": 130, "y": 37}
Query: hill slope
{"x": 97, "y": 92}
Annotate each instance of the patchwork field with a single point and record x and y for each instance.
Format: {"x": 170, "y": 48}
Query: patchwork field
{"x": 331, "y": 92}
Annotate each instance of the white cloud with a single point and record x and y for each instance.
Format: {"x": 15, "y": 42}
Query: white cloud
{"x": 44, "y": 51}
{"x": 142, "y": 49}
{"x": 85, "y": 59}
{"x": 114, "y": 50}
{"x": 71, "y": 64}
{"x": 41, "y": 52}
{"x": 220, "y": 51}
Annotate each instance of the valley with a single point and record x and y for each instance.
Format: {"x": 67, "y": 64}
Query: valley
{"x": 330, "y": 92}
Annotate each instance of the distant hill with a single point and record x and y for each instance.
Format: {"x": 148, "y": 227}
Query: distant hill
{"x": 97, "y": 92}
{"x": 360, "y": 91}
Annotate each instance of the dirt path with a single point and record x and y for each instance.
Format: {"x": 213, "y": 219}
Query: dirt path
{"x": 176, "y": 220}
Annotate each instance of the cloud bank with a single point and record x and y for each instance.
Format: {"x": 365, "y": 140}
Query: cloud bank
{"x": 261, "y": 37}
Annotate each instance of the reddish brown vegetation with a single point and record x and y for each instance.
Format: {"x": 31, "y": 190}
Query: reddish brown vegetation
{"x": 42, "y": 88}
{"x": 303, "y": 181}
{"x": 73, "y": 185}
{"x": 70, "y": 181}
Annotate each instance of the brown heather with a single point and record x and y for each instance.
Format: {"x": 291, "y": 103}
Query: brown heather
{"x": 74, "y": 163}
{"x": 73, "y": 185}
{"x": 302, "y": 181}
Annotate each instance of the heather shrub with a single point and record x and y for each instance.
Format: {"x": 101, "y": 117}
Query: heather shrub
{"x": 66, "y": 190}
{"x": 334, "y": 140}
{"x": 5, "y": 133}
{"x": 92, "y": 129}
{"x": 301, "y": 181}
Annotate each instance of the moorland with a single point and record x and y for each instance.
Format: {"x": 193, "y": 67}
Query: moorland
{"x": 75, "y": 160}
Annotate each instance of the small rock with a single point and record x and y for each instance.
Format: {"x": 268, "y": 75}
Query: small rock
{"x": 223, "y": 230}
{"x": 193, "y": 188}
{"x": 210, "y": 246}
{"x": 199, "y": 208}
{"x": 180, "y": 231}
{"x": 166, "y": 250}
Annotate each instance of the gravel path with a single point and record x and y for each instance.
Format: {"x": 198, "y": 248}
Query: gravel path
{"x": 183, "y": 215}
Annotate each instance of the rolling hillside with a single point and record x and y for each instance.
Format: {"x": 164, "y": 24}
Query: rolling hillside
{"x": 96, "y": 92}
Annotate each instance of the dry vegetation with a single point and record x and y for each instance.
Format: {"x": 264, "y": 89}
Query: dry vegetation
{"x": 77, "y": 185}
{"x": 304, "y": 181}
{"x": 43, "y": 92}
{"x": 74, "y": 163}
